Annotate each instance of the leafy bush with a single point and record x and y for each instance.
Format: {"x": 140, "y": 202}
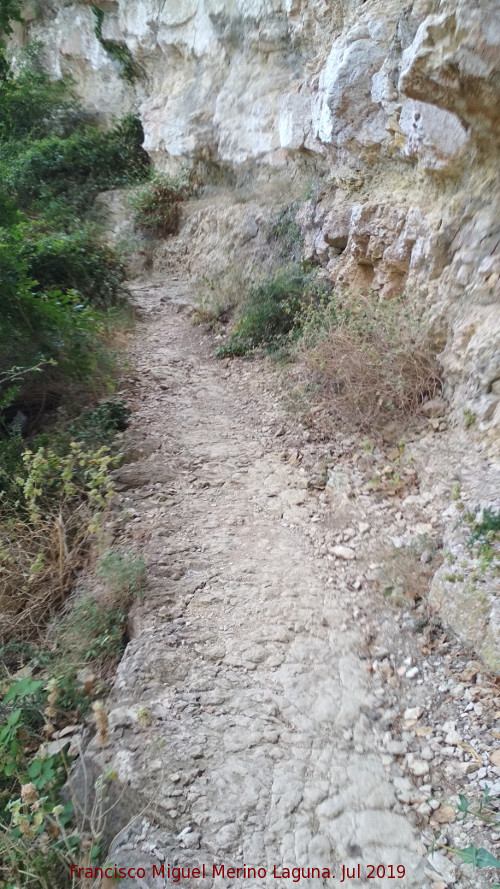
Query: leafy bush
{"x": 10, "y": 10}
{"x": 33, "y": 321}
{"x": 39, "y": 838}
{"x": 51, "y": 265}
{"x": 488, "y": 528}
{"x": 157, "y": 207}
{"x": 98, "y": 427}
{"x": 93, "y": 633}
{"x": 123, "y": 573}
{"x": 11, "y": 463}
{"x": 485, "y": 536}
{"x": 32, "y": 105}
{"x": 55, "y": 331}
{"x": 273, "y": 310}
{"x": 74, "y": 261}
{"x": 59, "y": 286}
{"x": 59, "y": 177}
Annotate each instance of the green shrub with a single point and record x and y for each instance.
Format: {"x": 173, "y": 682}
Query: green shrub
{"x": 45, "y": 534}
{"x": 51, "y": 265}
{"x": 59, "y": 177}
{"x": 61, "y": 341}
{"x": 39, "y": 840}
{"x": 123, "y": 573}
{"x": 284, "y": 234}
{"x": 485, "y": 536}
{"x": 10, "y": 11}
{"x": 74, "y": 261}
{"x": 11, "y": 464}
{"x": 488, "y": 527}
{"x": 273, "y": 310}
{"x": 91, "y": 633}
{"x": 98, "y": 427}
{"x": 32, "y": 105}
{"x": 94, "y": 630}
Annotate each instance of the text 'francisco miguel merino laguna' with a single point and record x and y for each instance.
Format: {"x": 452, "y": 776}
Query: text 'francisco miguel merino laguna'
{"x": 279, "y": 872}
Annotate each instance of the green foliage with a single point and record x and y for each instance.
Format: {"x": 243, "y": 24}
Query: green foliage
{"x": 11, "y": 464}
{"x": 488, "y": 526}
{"x": 51, "y": 480}
{"x": 470, "y": 418}
{"x": 98, "y": 427}
{"x": 285, "y": 235}
{"x": 38, "y": 836}
{"x": 477, "y": 857}
{"x": 74, "y": 261}
{"x": 59, "y": 176}
{"x": 157, "y": 207}
{"x": 58, "y": 287}
{"x": 482, "y": 811}
{"x": 52, "y": 265}
{"x": 123, "y": 573}
{"x": 94, "y": 630}
{"x": 273, "y": 310}
{"x": 46, "y": 527}
{"x": 485, "y": 537}
{"x": 10, "y": 11}
{"x": 32, "y": 106}
{"x": 130, "y": 70}
{"x": 93, "y": 633}
{"x": 44, "y": 328}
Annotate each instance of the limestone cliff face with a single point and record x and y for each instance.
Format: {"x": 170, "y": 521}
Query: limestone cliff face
{"x": 393, "y": 108}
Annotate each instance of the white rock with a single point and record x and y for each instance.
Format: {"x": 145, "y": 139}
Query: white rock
{"x": 452, "y": 738}
{"x": 343, "y": 552}
{"x": 413, "y": 712}
{"x": 442, "y": 866}
{"x": 419, "y": 768}
{"x": 433, "y": 135}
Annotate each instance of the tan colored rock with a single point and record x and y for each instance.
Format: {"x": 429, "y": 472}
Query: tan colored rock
{"x": 336, "y": 227}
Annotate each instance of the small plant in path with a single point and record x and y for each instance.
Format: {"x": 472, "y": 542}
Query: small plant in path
{"x": 485, "y": 812}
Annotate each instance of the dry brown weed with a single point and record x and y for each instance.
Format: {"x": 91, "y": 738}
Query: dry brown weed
{"x": 369, "y": 362}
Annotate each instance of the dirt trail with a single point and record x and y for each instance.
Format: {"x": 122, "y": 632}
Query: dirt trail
{"x": 242, "y": 714}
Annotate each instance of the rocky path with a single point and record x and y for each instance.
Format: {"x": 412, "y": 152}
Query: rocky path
{"x": 243, "y": 715}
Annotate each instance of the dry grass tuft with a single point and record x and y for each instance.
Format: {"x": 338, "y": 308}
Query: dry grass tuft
{"x": 370, "y": 361}
{"x": 37, "y": 568}
{"x": 45, "y": 534}
{"x": 218, "y": 295}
